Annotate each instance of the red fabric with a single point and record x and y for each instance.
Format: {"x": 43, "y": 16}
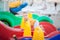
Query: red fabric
{"x": 7, "y": 32}
{"x": 52, "y": 34}
{"x": 32, "y": 29}
{"x": 17, "y": 27}
{"x": 48, "y": 28}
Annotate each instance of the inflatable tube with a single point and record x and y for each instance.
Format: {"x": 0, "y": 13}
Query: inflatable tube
{"x": 52, "y": 34}
{"x": 7, "y": 17}
{"x": 26, "y": 38}
{"x": 34, "y": 16}
{"x": 14, "y": 4}
{"x": 6, "y": 32}
{"x": 10, "y": 18}
{"x": 38, "y": 34}
{"x": 18, "y": 21}
{"x": 18, "y": 8}
{"x": 48, "y": 28}
{"x": 57, "y": 37}
{"x": 5, "y": 22}
{"x": 13, "y": 12}
{"x": 45, "y": 19}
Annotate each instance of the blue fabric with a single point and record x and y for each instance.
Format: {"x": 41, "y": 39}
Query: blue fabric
{"x": 18, "y": 8}
{"x": 26, "y": 39}
{"x": 57, "y": 37}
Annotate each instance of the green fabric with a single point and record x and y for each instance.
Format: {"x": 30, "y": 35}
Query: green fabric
{"x": 10, "y": 18}
{"x": 45, "y": 18}
{"x": 13, "y": 20}
{"x": 35, "y": 16}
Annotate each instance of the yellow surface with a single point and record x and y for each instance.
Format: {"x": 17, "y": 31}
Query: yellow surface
{"x": 29, "y": 15}
{"x": 22, "y": 23}
{"x": 38, "y": 34}
{"x": 14, "y": 4}
{"x": 27, "y": 28}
